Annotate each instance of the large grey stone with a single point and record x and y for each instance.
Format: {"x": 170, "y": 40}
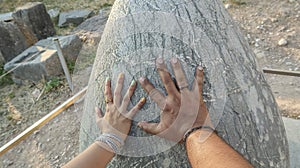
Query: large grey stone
{"x": 74, "y": 17}
{"x": 71, "y": 45}
{"x": 6, "y": 16}
{"x": 92, "y": 29}
{"x": 41, "y": 61}
{"x": 293, "y": 134}
{"x": 34, "y": 17}
{"x": 13, "y": 41}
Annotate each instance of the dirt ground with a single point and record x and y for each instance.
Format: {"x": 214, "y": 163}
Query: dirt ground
{"x": 264, "y": 23}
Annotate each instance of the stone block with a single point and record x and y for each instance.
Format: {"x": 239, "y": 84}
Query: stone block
{"x": 42, "y": 64}
{"x": 71, "y": 45}
{"x": 74, "y": 17}
{"x": 41, "y": 60}
{"x": 12, "y": 40}
{"x": 33, "y": 17}
{"x": 6, "y": 16}
{"x": 91, "y": 29}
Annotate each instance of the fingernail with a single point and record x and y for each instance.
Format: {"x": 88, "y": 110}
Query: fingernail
{"x": 121, "y": 75}
{"x": 132, "y": 82}
{"x": 142, "y": 79}
{"x": 159, "y": 60}
{"x": 174, "y": 60}
{"x": 143, "y": 100}
{"x": 139, "y": 125}
{"x": 200, "y": 68}
{"x": 107, "y": 79}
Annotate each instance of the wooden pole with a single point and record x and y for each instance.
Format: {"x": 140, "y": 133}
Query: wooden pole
{"x": 281, "y": 72}
{"x": 63, "y": 63}
{"x": 42, "y": 122}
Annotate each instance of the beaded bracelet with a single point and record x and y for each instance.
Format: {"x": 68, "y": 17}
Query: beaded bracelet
{"x": 191, "y": 130}
{"x": 114, "y": 137}
{"x": 110, "y": 140}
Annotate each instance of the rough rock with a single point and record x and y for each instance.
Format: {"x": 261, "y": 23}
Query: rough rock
{"x": 91, "y": 29}
{"x": 74, "y": 17}
{"x": 34, "y": 17}
{"x": 6, "y": 16}
{"x": 282, "y": 42}
{"x": 71, "y": 45}
{"x": 41, "y": 60}
{"x": 54, "y": 14}
{"x": 12, "y": 41}
{"x": 137, "y": 32}
{"x": 293, "y": 140}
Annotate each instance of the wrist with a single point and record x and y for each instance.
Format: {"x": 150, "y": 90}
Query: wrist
{"x": 196, "y": 130}
{"x": 111, "y": 141}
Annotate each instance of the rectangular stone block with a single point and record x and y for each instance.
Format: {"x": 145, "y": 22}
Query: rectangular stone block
{"x": 34, "y": 17}
{"x": 12, "y": 40}
{"x": 41, "y": 60}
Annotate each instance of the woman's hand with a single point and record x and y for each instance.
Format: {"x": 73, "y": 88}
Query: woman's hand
{"x": 182, "y": 108}
{"x": 116, "y": 119}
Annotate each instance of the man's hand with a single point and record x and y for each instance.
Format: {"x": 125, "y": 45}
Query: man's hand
{"x": 182, "y": 108}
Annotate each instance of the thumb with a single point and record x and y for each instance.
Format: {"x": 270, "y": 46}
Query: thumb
{"x": 152, "y": 128}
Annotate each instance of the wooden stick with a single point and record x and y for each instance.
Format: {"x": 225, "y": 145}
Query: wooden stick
{"x": 41, "y": 122}
{"x": 281, "y": 72}
{"x": 63, "y": 63}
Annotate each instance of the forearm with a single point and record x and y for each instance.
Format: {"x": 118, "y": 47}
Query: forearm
{"x": 94, "y": 156}
{"x": 212, "y": 152}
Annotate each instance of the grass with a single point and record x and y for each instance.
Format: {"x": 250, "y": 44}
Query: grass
{"x": 71, "y": 66}
{"x": 6, "y": 80}
{"x": 53, "y": 84}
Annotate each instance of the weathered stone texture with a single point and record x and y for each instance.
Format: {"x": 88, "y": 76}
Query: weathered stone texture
{"x": 12, "y": 40}
{"x": 74, "y": 17}
{"x": 240, "y": 101}
{"x": 91, "y": 30}
{"x": 34, "y": 17}
{"x": 6, "y": 16}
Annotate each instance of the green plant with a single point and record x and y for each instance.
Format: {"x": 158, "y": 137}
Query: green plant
{"x": 71, "y": 65}
{"x": 52, "y": 84}
{"x": 4, "y": 80}
{"x": 11, "y": 95}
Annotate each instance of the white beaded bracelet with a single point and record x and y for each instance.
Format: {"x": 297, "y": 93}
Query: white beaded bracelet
{"x": 115, "y": 137}
{"x": 110, "y": 140}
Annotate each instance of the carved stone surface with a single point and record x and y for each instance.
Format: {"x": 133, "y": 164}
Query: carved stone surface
{"x": 33, "y": 17}
{"x": 240, "y": 101}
